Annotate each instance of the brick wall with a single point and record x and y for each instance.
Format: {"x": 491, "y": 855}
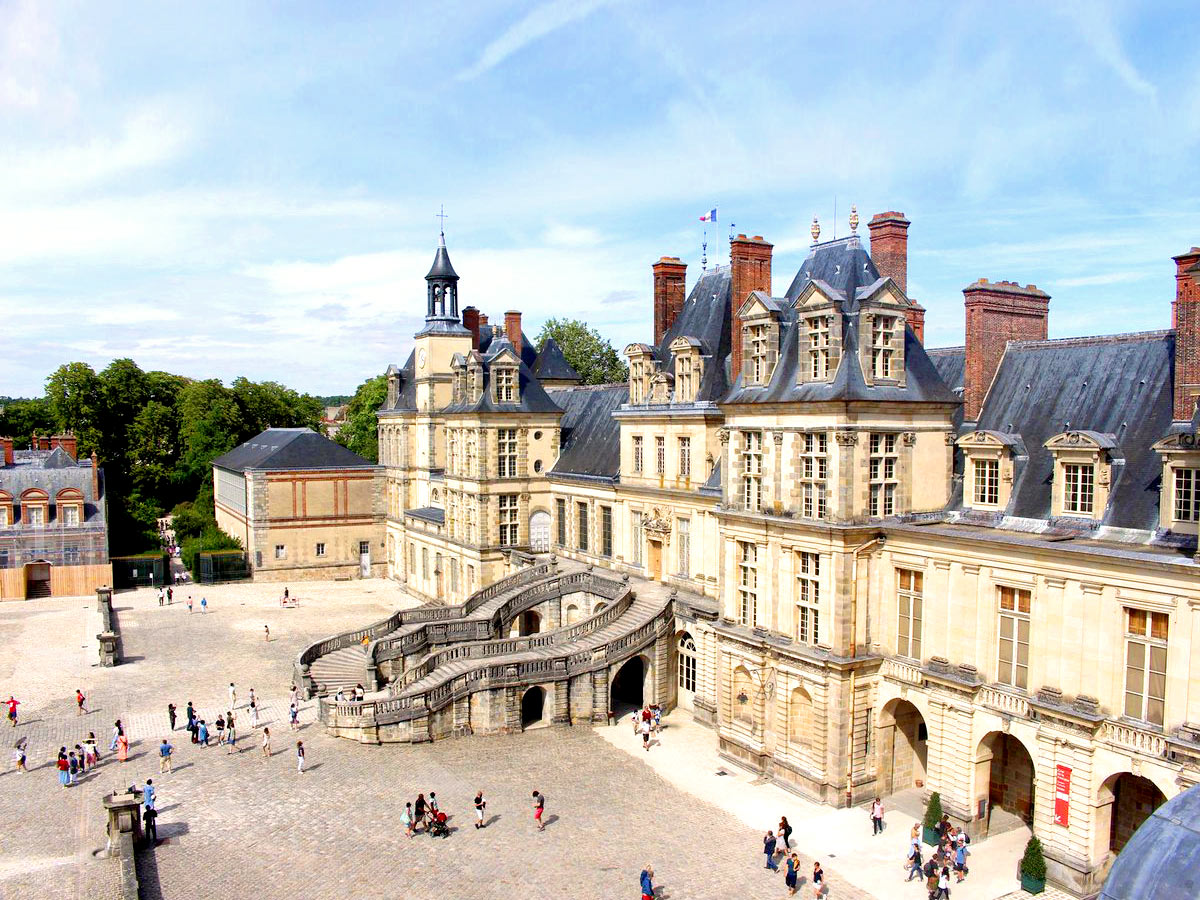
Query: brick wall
{"x": 1185, "y": 318}
{"x": 670, "y": 276}
{"x": 997, "y": 312}
{"x": 750, "y": 270}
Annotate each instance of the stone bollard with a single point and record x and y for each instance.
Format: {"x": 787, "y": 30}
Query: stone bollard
{"x": 124, "y": 817}
{"x": 108, "y": 648}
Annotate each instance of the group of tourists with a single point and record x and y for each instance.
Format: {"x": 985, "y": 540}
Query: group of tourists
{"x": 947, "y": 864}
{"x": 777, "y": 845}
{"x": 647, "y": 722}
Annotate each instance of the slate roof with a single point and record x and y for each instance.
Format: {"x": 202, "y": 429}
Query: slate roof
{"x": 290, "y": 448}
{"x": 428, "y": 513}
{"x": 442, "y": 270}
{"x": 705, "y": 316}
{"x": 52, "y": 471}
{"x": 843, "y": 270}
{"x": 1162, "y": 859}
{"x": 406, "y": 399}
{"x": 551, "y": 364}
{"x": 1119, "y": 385}
{"x": 591, "y": 437}
{"x": 951, "y": 363}
{"x": 532, "y": 397}
{"x": 529, "y": 353}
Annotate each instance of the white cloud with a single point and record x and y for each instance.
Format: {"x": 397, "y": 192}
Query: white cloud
{"x": 1096, "y": 27}
{"x": 1105, "y": 278}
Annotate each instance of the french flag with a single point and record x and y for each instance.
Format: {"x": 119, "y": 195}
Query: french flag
{"x": 710, "y": 216}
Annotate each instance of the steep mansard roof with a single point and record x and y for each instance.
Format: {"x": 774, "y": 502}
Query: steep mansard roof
{"x": 551, "y": 364}
{"x": 406, "y": 400}
{"x": 1119, "y": 385}
{"x": 290, "y": 448}
{"x": 705, "y": 316}
{"x": 591, "y": 437}
{"x": 951, "y": 363}
{"x": 531, "y": 396}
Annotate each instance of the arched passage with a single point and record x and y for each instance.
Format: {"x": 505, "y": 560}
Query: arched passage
{"x": 539, "y": 532}
{"x": 627, "y": 694}
{"x": 903, "y": 747}
{"x": 527, "y": 623}
{"x": 1125, "y": 802}
{"x": 533, "y": 704}
{"x": 1004, "y": 773}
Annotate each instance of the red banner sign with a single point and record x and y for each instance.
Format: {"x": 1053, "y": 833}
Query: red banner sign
{"x": 1062, "y": 796}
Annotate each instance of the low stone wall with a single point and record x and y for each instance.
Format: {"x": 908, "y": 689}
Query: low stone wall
{"x": 110, "y": 632}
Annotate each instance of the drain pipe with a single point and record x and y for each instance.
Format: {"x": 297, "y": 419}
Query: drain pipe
{"x": 865, "y": 547}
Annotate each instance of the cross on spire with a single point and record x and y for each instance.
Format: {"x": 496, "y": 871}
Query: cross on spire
{"x": 442, "y": 215}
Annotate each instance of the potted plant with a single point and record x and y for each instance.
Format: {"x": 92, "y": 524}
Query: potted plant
{"x": 933, "y": 815}
{"x": 1033, "y": 867}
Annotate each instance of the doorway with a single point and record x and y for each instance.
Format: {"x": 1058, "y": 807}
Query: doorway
{"x": 533, "y": 705}
{"x": 364, "y": 558}
{"x": 37, "y": 580}
{"x": 1004, "y": 771}
{"x": 685, "y": 671}
{"x": 539, "y": 532}
{"x": 627, "y": 694}
{"x": 527, "y": 623}
{"x": 903, "y": 742}
{"x": 654, "y": 559}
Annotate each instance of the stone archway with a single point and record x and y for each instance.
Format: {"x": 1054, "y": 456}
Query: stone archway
{"x": 525, "y": 624}
{"x": 902, "y": 742}
{"x": 1005, "y": 774}
{"x": 533, "y": 706}
{"x": 1125, "y": 801}
{"x": 628, "y": 691}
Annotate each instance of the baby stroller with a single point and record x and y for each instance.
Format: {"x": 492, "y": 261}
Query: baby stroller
{"x": 437, "y": 825}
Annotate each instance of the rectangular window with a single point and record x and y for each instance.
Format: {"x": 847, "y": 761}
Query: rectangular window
{"x": 883, "y": 346}
{"x": 987, "y": 482}
{"x": 818, "y": 347}
{"x": 506, "y": 457}
{"x": 4, "y": 516}
{"x": 637, "y": 531}
{"x": 320, "y": 549}
{"x": 637, "y": 453}
{"x": 1187, "y": 495}
{"x": 884, "y": 464}
{"x": 759, "y": 372}
{"x": 506, "y": 385}
{"x": 606, "y": 531}
{"x": 36, "y": 515}
{"x": 1079, "y": 484}
{"x": 683, "y": 379}
{"x": 71, "y": 516}
{"x": 508, "y": 519}
{"x": 1013, "y": 668}
{"x": 660, "y": 455}
{"x": 909, "y": 599}
{"x": 258, "y": 559}
{"x": 685, "y": 457}
{"x": 683, "y": 535}
{"x": 412, "y": 559}
{"x": 280, "y": 551}
{"x": 808, "y": 597}
{"x": 453, "y": 575}
{"x": 747, "y": 583}
{"x": 752, "y": 460}
{"x": 814, "y": 473}
{"x": 424, "y": 562}
{"x": 364, "y": 547}
{"x": 581, "y": 534}
{"x": 560, "y": 507}
{"x": 1146, "y": 665}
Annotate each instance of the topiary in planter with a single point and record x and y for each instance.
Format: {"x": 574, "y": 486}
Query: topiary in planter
{"x": 933, "y": 815}
{"x": 1033, "y": 867}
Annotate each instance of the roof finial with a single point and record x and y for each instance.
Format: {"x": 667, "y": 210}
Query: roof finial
{"x": 704, "y": 252}
{"x": 853, "y": 219}
{"x": 442, "y": 226}
{"x": 815, "y": 230}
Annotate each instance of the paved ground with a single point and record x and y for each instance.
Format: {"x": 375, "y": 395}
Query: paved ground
{"x": 240, "y": 825}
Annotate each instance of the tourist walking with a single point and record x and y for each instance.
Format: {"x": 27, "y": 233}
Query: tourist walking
{"x": 931, "y": 875}
{"x": 769, "y": 844}
{"x": 406, "y": 819}
{"x": 960, "y": 861}
{"x": 149, "y": 794}
{"x": 300, "y": 757}
{"x": 266, "y": 743}
{"x": 150, "y": 824}
{"x": 267, "y": 633}
{"x": 419, "y": 810}
{"x": 203, "y": 604}
{"x": 793, "y": 872}
{"x": 64, "y": 768}
{"x": 171, "y": 714}
{"x": 202, "y": 733}
{"x": 647, "y": 882}
{"x": 19, "y": 755}
{"x": 123, "y": 746}
{"x": 232, "y": 696}
{"x": 164, "y": 756}
{"x": 12, "y": 704}
{"x": 220, "y": 723}
{"x": 90, "y": 757}
{"x": 539, "y": 807}
{"x": 73, "y": 767}
{"x": 645, "y": 729}
{"x": 876, "y": 817}
{"x": 189, "y": 604}
{"x": 170, "y": 595}
{"x": 117, "y": 731}
{"x": 191, "y": 720}
{"x": 914, "y": 861}
{"x": 253, "y": 714}
{"x": 943, "y": 885}
{"x": 230, "y": 732}
{"x": 80, "y": 703}
{"x": 785, "y": 833}
{"x": 480, "y": 806}
{"x": 818, "y": 879}
{"x": 90, "y": 742}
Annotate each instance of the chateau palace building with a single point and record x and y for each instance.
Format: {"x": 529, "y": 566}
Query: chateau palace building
{"x": 969, "y": 570}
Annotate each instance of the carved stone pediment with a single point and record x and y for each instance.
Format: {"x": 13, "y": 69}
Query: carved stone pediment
{"x": 1081, "y": 440}
{"x": 658, "y": 522}
{"x": 1182, "y": 442}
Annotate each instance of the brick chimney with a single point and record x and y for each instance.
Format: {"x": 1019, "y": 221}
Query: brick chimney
{"x": 95, "y": 477}
{"x": 750, "y": 270}
{"x": 67, "y": 442}
{"x": 997, "y": 312}
{"x": 43, "y": 443}
{"x": 889, "y": 246}
{"x": 670, "y": 278}
{"x": 471, "y": 323}
{"x": 6, "y": 444}
{"x": 484, "y": 328}
{"x": 512, "y": 327}
{"x": 1185, "y": 319}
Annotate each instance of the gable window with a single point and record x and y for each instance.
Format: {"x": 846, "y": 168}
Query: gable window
{"x": 808, "y": 597}
{"x": 506, "y": 440}
{"x": 606, "y": 531}
{"x": 814, "y": 472}
{"x": 1145, "y": 665}
{"x": 759, "y": 345}
{"x": 883, "y": 466}
{"x": 752, "y": 460}
{"x": 747, "y": 582}
{"x": 1187, "y": 495}
{"x": 987, "y": 482}
{"x": 506, "y": 385}
{"x": 508, "y": 519}
{"x": 910, "y": 602}
{"x": 683, "y": 538}
{"x": 637, "y": 453}
{"x": 818, "y": 347}
{"x": 1013, "y": 668}
{"x": 1079, "y": 488}
{"x": 685, "y": 457}
{"x": 560, "y": 508}
{"x": 883, "y": 346}
{"x": 660, "y": 454}
{"x": 581, "y": 535}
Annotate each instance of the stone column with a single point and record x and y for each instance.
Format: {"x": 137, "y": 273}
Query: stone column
{"x": 777, "y": 503}
{"x": 600, "y": 695}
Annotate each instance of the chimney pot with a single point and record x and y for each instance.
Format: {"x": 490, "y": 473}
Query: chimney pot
{"x": 6, "y": 444}
{"x": 470, "y": 317}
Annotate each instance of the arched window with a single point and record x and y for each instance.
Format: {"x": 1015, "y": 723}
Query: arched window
{"x": 800, "y": 716}
{"x": 687, "y": 663}
{"x": 743, "y": 696}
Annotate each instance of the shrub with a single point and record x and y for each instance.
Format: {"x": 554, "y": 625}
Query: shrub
{"x": 1033, "y": 863}
{"x": 933, "y": 810}
{"x": 210, "y": 540}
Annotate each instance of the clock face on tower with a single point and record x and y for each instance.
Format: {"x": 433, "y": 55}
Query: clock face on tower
{"x": 421, "y": 358}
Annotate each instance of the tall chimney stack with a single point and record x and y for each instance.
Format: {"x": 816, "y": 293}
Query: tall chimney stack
{"x": 95, "y": 477}
{"x": 470, "y": 317}
{"x": 997, "y": 312}
{"x": 889, "y": 246}
{"x": 66, "y": 441}
{"x": 1185, "y": 319}
{"x": 512, "y": 327}
{"x": 670, "y": 278}
{"x": 750, "y": 270}
{"x": 6, "y": 444}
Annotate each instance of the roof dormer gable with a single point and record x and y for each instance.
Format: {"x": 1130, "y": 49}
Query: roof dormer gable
{"x": 760, "y": 304}
{"x": 883, "y": 292}
{"x": 505, "y": 355}
{"x": 816, "y": 294}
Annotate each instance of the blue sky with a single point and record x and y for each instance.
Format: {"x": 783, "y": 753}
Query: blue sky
{"x": 250, "y": 189}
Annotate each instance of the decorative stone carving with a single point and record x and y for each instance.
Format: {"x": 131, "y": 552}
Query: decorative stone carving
{"x": 951, "y": 440}
{"x": 846, "y": 438}
{"x": 909, "y": 438}
{"x": 777, "y": 436}
{"x": 723, "y": 435}
{"x": 659, "y": 522}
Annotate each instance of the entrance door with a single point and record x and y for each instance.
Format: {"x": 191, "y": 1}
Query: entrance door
{"x": 364, "y": 558}
{"x": 654, "y": 563}
{"x": 685, "y": 691}
{"x": 539, "y": 532}
{"x": 37, "y": 580}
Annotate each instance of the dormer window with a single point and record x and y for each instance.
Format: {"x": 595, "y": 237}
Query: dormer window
{"x": 883, "y": 346}
{"x": 684, "y": 391}
{"x": 688, "y": 368}
{"x": 1079, "y": 489}
{"x": 1187, "y": 494}
{"x": 760, "y": 337}
{"x": 759, "y": 366}
{"x": 985, "y": 474}
{"x": 6, "y": 509}
{"x": 1083, "y": 473}
{"x": 818, "y": 347}
{"x": 641, "y": 368}
{"x": 1179, "y": 501}
{"x": 506, "y": 385}
{"x": 988, "y": 468}
{"x": 69, "y": 503}
{"x": 474, "y": 383}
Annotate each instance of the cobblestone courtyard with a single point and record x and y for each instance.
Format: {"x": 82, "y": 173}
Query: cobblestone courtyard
{"x": 240, "y": 825}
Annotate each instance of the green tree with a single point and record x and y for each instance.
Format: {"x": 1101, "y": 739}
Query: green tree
{"x": 589, "y": 353}
{"x": 210, "y": 424}
{"x": 266, "y": 404}
{"x": 360, "y": 433}
{"x": 74, "y": 393}
{"x": 20, "y": 419}
{"x": 152, "y": 450}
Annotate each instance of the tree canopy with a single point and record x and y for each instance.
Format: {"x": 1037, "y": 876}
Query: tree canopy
{"x": 589, "y": 353}
{"x": 360, "y": 432}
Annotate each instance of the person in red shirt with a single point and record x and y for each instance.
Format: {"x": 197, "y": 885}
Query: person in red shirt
{"x": 12, "y": 710}
{"x": 80, "y": 702}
